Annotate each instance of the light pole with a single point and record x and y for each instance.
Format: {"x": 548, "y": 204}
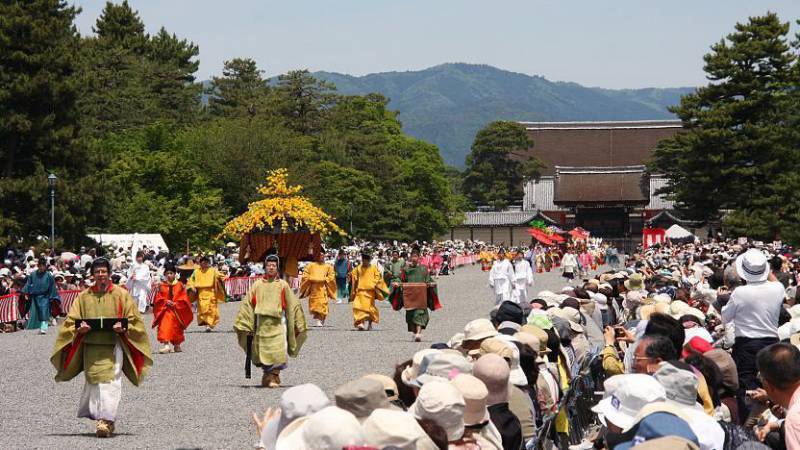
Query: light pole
{"x": 51, "y": 182}
{"x": 351, "y": 220}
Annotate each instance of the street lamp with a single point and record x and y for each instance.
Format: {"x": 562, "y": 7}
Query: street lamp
{"x": 51, "y": 182}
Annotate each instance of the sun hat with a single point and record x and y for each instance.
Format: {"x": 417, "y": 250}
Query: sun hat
{"x": 475, "y": 394}
{"x": 328, "y": 428}
{"x": 528, "y": 339}
{"x": 625, "y": 396}
{"x": 752, "y": 266}
{"x": 657, "y": 425}
{"x": 509, "y": 312}
{"x": 301, "y": 401}
{"x": 635, "y": 282}
{"x": 389, "y": 386}
{"x": 726, "y": 365}
{"x": 494, "y": 372}
{"x": 539, "y": 333}
{"x": 455, "y": 341}
{"x": 410, "y": 372}
{"x": 441, "y": 402}
{"x": 441, "y": 366}
{"x": 680, "y": 385}
{"x": 392, "y": 428}
{"x": 517, "y": 375}
{"x": 479, "y": 329}
{"x": 493, "y": 345}
{"x": 540, "y": 319}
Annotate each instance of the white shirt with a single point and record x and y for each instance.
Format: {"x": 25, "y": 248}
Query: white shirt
{"x": 754, "y": 309}
{"x": 501, "y": 278}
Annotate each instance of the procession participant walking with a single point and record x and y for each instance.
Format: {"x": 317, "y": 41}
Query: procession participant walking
{"x": 395, "y": 268}
{"x": 342, "y": 268}
{"x": 367, "y": 286}
{"x": 40, "y": 287}
{"x": 318, "y": 284}
{"x": 523, "y": 279}
{"x": 502, "y": 278}
{"x": 569, "y": 265}
{"x": 172, "y": 311}
{"x": 270, "y": 325}
{"x": 139, "y": 281}
{"x": 417, "y": 298}
{"x": 104, "y": 337}
{"x": 206, "y": 287}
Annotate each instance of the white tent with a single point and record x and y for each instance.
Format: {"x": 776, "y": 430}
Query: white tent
{"x": 678, "y": 232}
{"x": 133, "y": 242}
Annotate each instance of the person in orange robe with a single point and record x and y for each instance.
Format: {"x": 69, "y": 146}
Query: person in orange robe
{"x": 172, "y": 311}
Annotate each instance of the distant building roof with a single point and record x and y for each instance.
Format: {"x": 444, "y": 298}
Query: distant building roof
{"x": 597, "y": 144}
{"x": 603, "y": 185}
{"x": 498, "y": 218}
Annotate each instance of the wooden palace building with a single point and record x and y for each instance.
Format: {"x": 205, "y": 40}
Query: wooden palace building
{"x": 594, "y": 177}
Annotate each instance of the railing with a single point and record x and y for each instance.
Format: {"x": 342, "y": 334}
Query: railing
{"x": 577, "y": 401}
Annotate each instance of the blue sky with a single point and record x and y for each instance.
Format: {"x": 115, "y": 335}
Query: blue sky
{"x": 612, "y": 43}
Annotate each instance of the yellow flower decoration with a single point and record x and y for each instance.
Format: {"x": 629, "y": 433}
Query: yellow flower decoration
{"x": 282, "y": 206}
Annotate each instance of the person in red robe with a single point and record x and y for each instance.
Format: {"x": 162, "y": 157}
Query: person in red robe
{"x": 172, "y": 311}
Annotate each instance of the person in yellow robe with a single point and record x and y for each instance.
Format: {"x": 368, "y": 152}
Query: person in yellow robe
{"x": 486, "y": 258}
{"x": 318, "y": 284}
{"x": 367, "y": 286}
{"x": 271, "y": 324}
{"x": 103, "y": 351}
{"x": 206, "y": 287}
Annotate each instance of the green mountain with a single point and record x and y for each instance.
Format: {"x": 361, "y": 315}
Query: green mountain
{"x": 448, "y": 104}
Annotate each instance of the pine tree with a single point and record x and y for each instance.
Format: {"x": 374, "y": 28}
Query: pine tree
{"x": 38, "y": 48}
{"x": 734, "y": 158}
{"x": 172, "y": 64}
{"x": 240, "y": 91}
{"x": 303, "y": 100}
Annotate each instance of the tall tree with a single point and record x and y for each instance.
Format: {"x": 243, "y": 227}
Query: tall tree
{"x": 120, "y": 25}
{"x": 497, "y": 165}
{"x": 303, "y": 100}
{"x": 172, "y": 65}
{"x": 241, "y": 91}
{"x": 735, "y": 156}
{"x": 38, "y": 47}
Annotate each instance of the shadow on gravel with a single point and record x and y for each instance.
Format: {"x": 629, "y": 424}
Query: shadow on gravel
{"x": 89, "y": 435}
{"x": 258, "y": 386}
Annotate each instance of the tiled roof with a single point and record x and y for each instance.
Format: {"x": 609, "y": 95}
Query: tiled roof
{"x": 623, "y": 184}
{"x": 498, "y": 218}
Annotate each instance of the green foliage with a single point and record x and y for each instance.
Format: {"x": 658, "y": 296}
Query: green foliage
{"x": 739, "y": 157}
{"x": 118, "y": 117}
{"x": 154, "y": 190}
{"x": 497, "y": 165}
{"x": 38, "y": 48}
{"x": 240, "y": 91}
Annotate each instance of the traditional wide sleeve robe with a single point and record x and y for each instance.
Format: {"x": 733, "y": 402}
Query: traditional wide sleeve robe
{"x": 367, "y": 286}
{"x": 41, "y": 289}
{"x": 93, "y": 353}
{"x": 273, "y": 315}
{"x": 318, "y": 284}
{"x": 209, "y": 289}
{"x": 172, "y": 320}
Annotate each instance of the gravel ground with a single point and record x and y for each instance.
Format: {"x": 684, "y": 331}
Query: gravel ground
{"x": 200, "y": 398}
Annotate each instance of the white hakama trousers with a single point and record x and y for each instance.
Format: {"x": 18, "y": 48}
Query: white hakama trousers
{"x": 100, "y": 401}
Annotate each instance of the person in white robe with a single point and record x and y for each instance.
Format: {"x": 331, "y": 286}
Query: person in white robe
{"x": 501, "y": 278}
{"x": 139, "y": 282}
{"x": 523, "y": 279}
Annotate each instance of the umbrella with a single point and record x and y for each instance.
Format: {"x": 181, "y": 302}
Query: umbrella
{"x": 540, "y": 236}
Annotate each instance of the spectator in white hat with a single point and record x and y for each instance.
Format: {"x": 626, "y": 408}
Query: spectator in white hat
{"x": 680, "y": 384}
{"x": 624, "y": 397}
{"x": 475, "y": 332}
{"x": 297, "y": 402}
{"x": 753, "y": 309}
{"x": 442, "y": 403}
{"x": 330, "y": 428}
{"x": 395, "y": 429}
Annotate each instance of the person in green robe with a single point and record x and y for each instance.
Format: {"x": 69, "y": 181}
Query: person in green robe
{"x": 104, "y": 353}
{"x": 417, "y": 318}
{"x": 272, "y": 316}
{"x": 394, "y": 269}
